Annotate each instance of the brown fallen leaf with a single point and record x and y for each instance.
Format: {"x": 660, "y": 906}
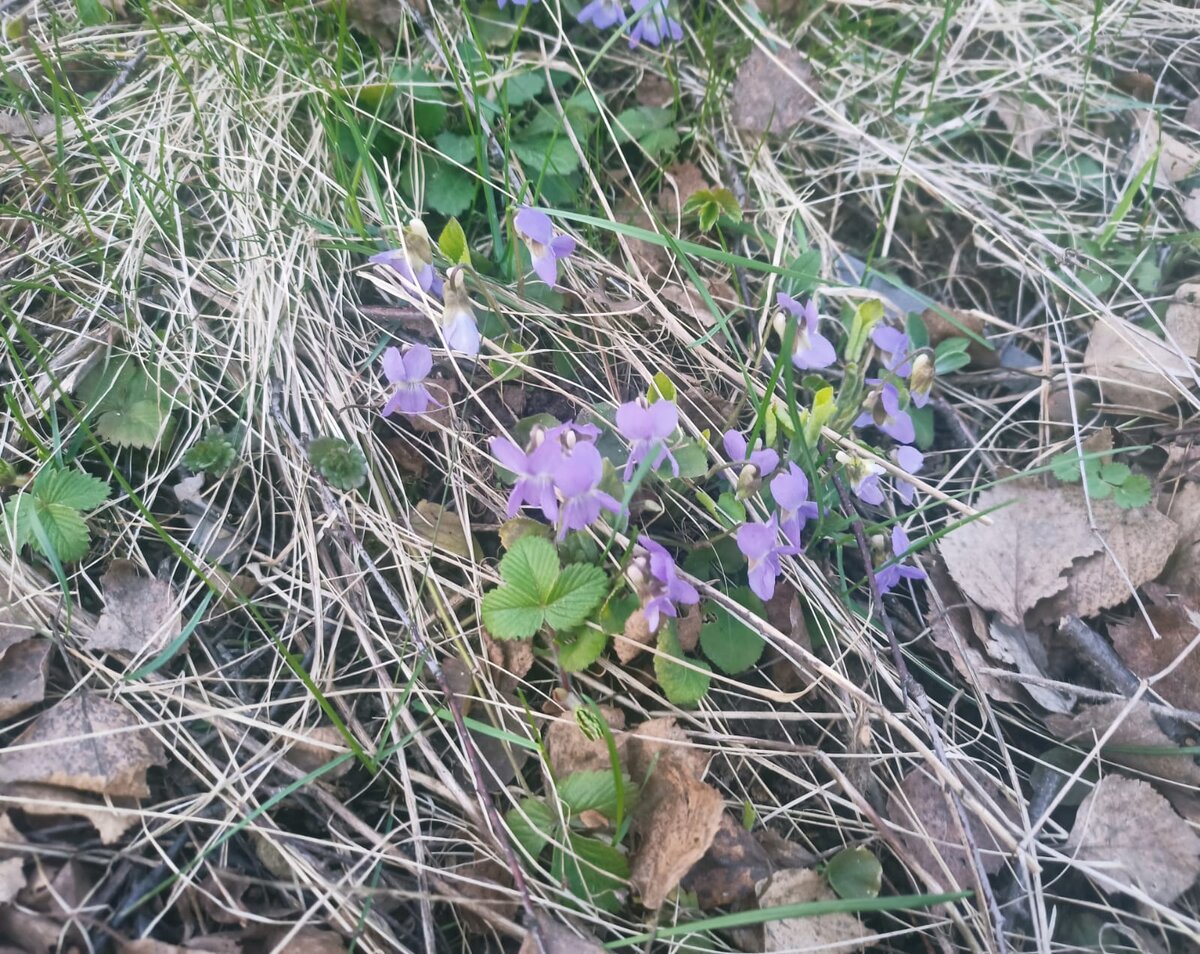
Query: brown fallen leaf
{"x": 32, "y": 931}
{"x": 1175, "y": 159}
{"x": 16, "y": 622}
{"x": 12, "y": 878}
{"x": 322, "y": 744}
{"x": 442, "y": 529}
{"x": 1021, "y": 649}
{"x": 1176, "y": 776}
{"x": 23, "y": 676}
{"x": 512, "y": 657}
{"x": 784, "y": 853}
{"x": 210, "y": 944}
{"x": 683, "y": 179}
{"x": 676, "y": 819}
{"x": 659, "y": 743}
{"x": 569, "y": 750}
{"x": 59, "y": 891}
{"x": 559, "y": 939}
{"x": 308, "y": 940}
{"x": 635, "y": 639}
{"x": 487, "y": 881}
{"x": 734, "y": 863}
{"x": 928, "y": 828}
{"x": 1132, "y": 835}
{"x": 1137, "y": 368}
{"x": 825, "y": 932}
{"x": 772, "y": 92}
{"x": 1028, "y": 124}
{"x": 687, "y": 628}
{"x": 1147, "y": 655}
{"x": 110, "y": 821}
{"x": 1020, "y": 559}
{"x": 941, "y": 327}
{"x": 1183, "y": 571}
{"x": 141, "y": 614}
{"x": 20, "y": 126}
{"x": 85, "y": 742}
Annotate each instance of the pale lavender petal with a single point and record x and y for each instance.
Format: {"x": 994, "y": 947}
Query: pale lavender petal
{"x": 765, "y": 460}
{"x": 418, "y": 362}
{"x": 511, "y": 457}
{"x": 735, "y": 445}
{"x": 633, "y": 421}
{"x": 546, "y": 267}
{"x": 562, "y": 246}
{"x": 393, "y": 365}
{"x": 909, "y": 458}
{"x": 664, "y": 418}
{"x": 869, "y": 491}
{"x": 462, "y": 334}
{"x": 820, "y": 353}
{"x": 534, "y": 225}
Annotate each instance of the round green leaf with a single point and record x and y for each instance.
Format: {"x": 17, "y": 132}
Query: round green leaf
{"x": 683, "y": 685}
{"x": 729, "y": 642}
{"x": 854, "y": 873}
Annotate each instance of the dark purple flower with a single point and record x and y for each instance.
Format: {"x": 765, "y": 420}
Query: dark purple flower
{"x": 545, "y": 248}
{"x": 910, "y": 460}
{"x": 535, "y": 469}
{"x": 655, "y": 25}
{"x": 577, "y": 476}
{"x": 790, "y": 490}
{"x": 885, "y": 413}
{"x": 765, "y": 459}
{"x": 647, "y": 426}
{"x": 759, "y": 543}
{"x": 810, "y": 349}
{"x": 603, "y": 13}
{"x": 656, "y": 578}
{"x": 894, "y": 571}
{"x": 895, "y": 346}
{"x": 863, "y": 476}
{"x": 408, "y": 371}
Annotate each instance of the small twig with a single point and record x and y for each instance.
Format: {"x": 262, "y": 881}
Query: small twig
{"x": 915, "y": 693}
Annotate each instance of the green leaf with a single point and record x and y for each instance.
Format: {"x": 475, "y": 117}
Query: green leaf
{"x": 92, "y": 12}
{"x": 729, "y": 642}
{"x": 1097, "y": 489}
{"x": 214, "y": 453}
{"x": 1115, "y": 473}
{"x": 590, "y": 791}
{"x": 532, "y": 823}
{"x": 511, "y": 614}
{"x": 70, "y": 488}
{"x": 520, "y": 89}
{"x": 854, "y": 873}
{"x": 448, "y": 190}
{"x": 547, "y": 153}
{"x": 457, "y": 147}
{"x": 594, "y": 871}
{"x": 579, "y": 588}
{"x": 638, "y": 122}
{"x": 453, "y": 243}
{"x": 731, "y": 510}
{"x": 662, "y": 388}
{"x": 1134, "y": 492}
{"x": 338, "y": 461}
{"x": 531, "y": 567}
{"x": 683, "y": 685}
{"x": 129, "y": 405}
{"x": 1066, "y": 467}
{"x": 579, "y": 649}
{"x": 923, "y": 426}
{"x": 945, "y": 364}
{"x": 691, "y": 459}
{"x": 660, "y": 143}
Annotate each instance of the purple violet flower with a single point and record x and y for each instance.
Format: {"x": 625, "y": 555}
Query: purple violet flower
{"x": 885, "y": 413}
{"x": 896, "y": 346}
{"x": 811, "y": 350}
{"x": 517, "y": 3}
{"x": 894, "y": 571}
{"x": 655, "y": 25}
{"x": 535, "y": 469}
{"x": 646, "y": 426}
{"x": 759, "y": 543}
{"x": 408, "y": 371}
{"x": 765, "y": 459}
{"x": 790, "y": 490}
{"x": 864, "y": 477}
{"x": 603, "y": 13}
{"x": 545, "y": 248}
{"x": 657, "y": 581}
{"x": 413, "y": 261}
{"x": 458, "y": 317}
{"x": 910, "y": 460}
{"x": 577, "y": 476}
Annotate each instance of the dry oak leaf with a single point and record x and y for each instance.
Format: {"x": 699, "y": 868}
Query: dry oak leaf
{"x": 1133, "y": 836}
{"x": 141, "y": 613}
{"x": 772, "y": 92}
{"x": 23, "y": 676}
{"x": 1139, "y": 543}
{"x": 1147, "y": 654}
{"x": 826, "y": 932}
{"x": 1019, "y": 560}
{"x": 1140, "y": 369}
{"x": 110, "y": 821}
{"x": 734, "y": 863}
{"x": 675, "y": 821}
{"x": 1183, "y": 573}
{"x": 85, "y": 742}
{"x": 929, "y": 830}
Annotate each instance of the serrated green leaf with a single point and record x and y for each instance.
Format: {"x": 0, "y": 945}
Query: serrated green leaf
{"x": 1115, "y": 473}
{"x": 594, "y": 790}
{"x": 1097, "y": 489}
{"x": 129, "y": 405}
{"x": 579, "y": 588}
{"x": 71, "y": 488}
{"x": 579, "y": 649}
{"x": 594, "y": 871}
{"x": 854, "y": 873}
{"x": 531, "y": 567}
{"x": 457, "y": 147}
{"x": 64, "y": 528}
{"x": 547, "y": 153}
{"x": 509, "y": 613}
{"x": 1134, "y": 492}
{"x": 532, "y": 823}
{"x": 338, "y": 461}
{"x": 683, "y": 685}
{"x": 1066, "y": 468}
{"x": 453, "y": 243}
{"x": 732, "y": 645}
{"x": 660, "y": 143}
{"x": 638, "y": 122}
{"x": 520, "y": 89}
{"x": 448, "y": 190}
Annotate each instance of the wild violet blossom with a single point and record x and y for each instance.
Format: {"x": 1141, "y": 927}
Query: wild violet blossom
{"x": 458, "y": 317}
{"x": 759, "y": 543}
{"x": 535, "y": 469}
{"x": 653, "y": 26}
{"x": 577, "y": 480}
{"x": 603, "y": 14}
{"x": 762, "y": 462}
{"x": 408, "y": 371}
{"x": 545, "y": 248}
{"x": 883, "y": 410}
{"x": 910, "y": 460}
{"x": 895, "y": 346}
{"x": 920, "y": 380}
{"x": 790, "y": 490}
{"x": 413, "y": 262}
{"x": 656, "y": 578}
{"x": 810, "y": 349}
{"x": 647, "y": 426}
{"x": 895, "y": 570}
{"x": 863, "y": 476}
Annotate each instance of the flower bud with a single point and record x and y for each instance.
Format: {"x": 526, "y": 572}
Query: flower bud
{"x": 748, "y": 482}
{"x": 779, "y": 321}
{"x": 537, "y": 435}
{"x": 417, "y": 244}
{"x": 920, "y": 382}
{"x": 638, "y": 573}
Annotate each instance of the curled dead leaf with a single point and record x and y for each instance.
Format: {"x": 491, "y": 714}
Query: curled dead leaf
{"x": 1147, "y": 652}
{"x": 23, "y": 676}
{"x": 773, "y": 92}
{"x": 322, "y": 744}
{"x": 1131, "y": 834}
{"x": 637, "y": 637}
{"x": 441, "y": 528}
{"x": 559, "y": 939}
{"x": 85, "y": 742}
{"x": 731, "y": 868}
{"x": 825, "y": 932}
{"x": 1174, "y": 159}
{"x": 571, "y": 751}
{"x": 111, "y": 821}
{"x": 1028, "y": 123}
{"x": 141, "y": 614}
